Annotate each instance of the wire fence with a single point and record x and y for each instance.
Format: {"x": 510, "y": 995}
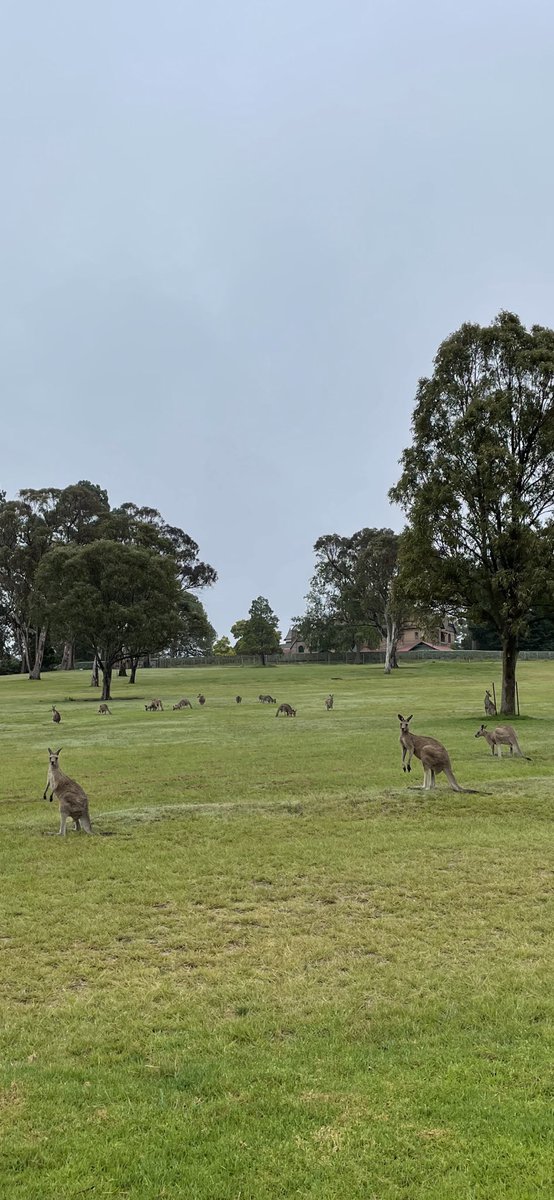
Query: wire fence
{"x": 363, "y": 658}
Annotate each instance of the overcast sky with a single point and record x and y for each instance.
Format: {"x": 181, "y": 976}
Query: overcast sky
{"x": 234, "y": 233}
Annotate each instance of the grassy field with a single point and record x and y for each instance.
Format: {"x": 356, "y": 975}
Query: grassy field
{"x": 285, "y": 973}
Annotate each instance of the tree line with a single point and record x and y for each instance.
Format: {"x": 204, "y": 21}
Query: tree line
{"x": 477, "y": 490}
{"x": 118, "y": 583}
{"x": 476, "y": 487}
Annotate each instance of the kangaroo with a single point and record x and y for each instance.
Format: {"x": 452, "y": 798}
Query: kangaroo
{"x": 238, "y": 699}
{"x": 287, "y": 710}
{"x": 503, "y": 735}
{"x": 103, "y": 709}
{"x": 201, "y": 699}
{"x": 431, "y": 753}
{"x": 154, "y": 706}
{"x": 490, "y": 706}
{"x": 73, "y": 801}
{"x": 267, "y": 699}
{"x": 182, "y": 704}
{"x": 329, "y": 701}
{"x": 56, "y": 716}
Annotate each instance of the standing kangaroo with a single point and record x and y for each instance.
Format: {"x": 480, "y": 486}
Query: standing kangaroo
{"x": 432, "y": 754}
{"x": 73, "y": 801}
{"x": 490, "y": 706}
{"x": 287, "y": 710}
{"x": 201, "y": 698}
{"x": 503, "y": 735}
{"x": 238, "y": 699}
{"x": 329, "y": 701}
{"x": 56, "y": 716}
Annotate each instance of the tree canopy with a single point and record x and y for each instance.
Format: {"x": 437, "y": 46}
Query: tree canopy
{"x": 477, "y": 482}
{"x": 223, "y": 647}
{"x": 355, "y": 592}
{"x": 125, "y": 599}
{"x": 40, "y": 521}
{"x": 259, "y": 634}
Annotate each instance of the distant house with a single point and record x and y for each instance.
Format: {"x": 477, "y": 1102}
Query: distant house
{"x": 441, "y": 638}
{"x": 294, "y": 644}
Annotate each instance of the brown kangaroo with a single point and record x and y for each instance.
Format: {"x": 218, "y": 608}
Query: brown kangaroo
{"x": 432, "y": 754}
{"x": 73, "y": 801}
{"x": 287, "y": 710}
{"x": 503, "y": 735}
{"x": 490, "y": 706}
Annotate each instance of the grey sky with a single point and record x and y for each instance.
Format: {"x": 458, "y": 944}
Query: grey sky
{"x": 234, "y": 233}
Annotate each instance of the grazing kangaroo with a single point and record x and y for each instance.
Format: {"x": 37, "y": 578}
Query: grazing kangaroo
{"x": 201, "y": 698}
{"x": 329, "y": 701}
{"x": 154, "y": 706}
{"x": 287, "y": 710}
{"x": 238, "y": 699}
{"x": 503, "y": 735}
{"x": 103, "y": 709}
{"x": 56, "y": 716}
{"x": 267, "y": 699}
{"x": 432, "y": 754}
{"x": 490, "y": 706}
{"x": 73, "y": 801}
{"x": 182, "y": 704}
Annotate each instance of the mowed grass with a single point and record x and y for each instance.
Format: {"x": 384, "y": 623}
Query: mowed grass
{"x": 285, "y": 973}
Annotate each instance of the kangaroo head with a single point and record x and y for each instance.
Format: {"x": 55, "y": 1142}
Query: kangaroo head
{"x": 481, "y": 731}
{"x": 53, "y": 756}
{"x": 404, "y": 722}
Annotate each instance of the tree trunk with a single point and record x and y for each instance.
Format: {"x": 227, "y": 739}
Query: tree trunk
{"x": 94, "y": 680}
{"x": 262, "y": 656}
{"x": 134, "y": 665}
{"x": 390, "y": 651}
{"x": 510, "y": 653}
{"x": 25, "y": 656}
{"x": 122, "y": 673}
{"x": 68, "y": 657}
{"x": 23, "y": 652}
{"x": 106, "y": 682}
{"x": 39, "y": 655}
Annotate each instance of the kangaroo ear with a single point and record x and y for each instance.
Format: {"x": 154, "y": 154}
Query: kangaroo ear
{"x": 50, "y": 751}
{"x": 59, "y": 751}
{"x": 400, "y": 717}
{"x": 409, "y": 718}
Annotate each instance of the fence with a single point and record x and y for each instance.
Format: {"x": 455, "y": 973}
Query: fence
{"x": 364, "y": 658}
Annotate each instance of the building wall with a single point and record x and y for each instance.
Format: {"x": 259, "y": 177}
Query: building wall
{"x": 442, "y": 639}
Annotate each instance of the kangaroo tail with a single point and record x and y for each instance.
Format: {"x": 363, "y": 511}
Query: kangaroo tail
{"x": 455, "y": 785}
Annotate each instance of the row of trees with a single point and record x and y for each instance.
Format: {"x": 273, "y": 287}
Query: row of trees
{"x": 477, "y": 489}
{"x": 118, "y": 582}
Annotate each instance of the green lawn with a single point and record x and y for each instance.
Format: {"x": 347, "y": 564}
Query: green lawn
{"x": 286, "y": 973}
